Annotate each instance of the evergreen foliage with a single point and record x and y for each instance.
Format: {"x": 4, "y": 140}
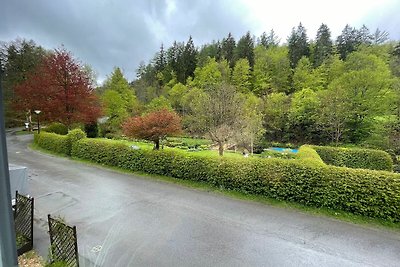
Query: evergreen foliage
{"x": 323, "y": 45}
{"x": 298, "y": 45}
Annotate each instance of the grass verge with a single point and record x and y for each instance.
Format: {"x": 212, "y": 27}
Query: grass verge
{"x": 324, "y": 212}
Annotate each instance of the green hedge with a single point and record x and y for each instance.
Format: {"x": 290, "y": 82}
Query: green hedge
{"x": 355, "y": 158}
{"x": 53, "y": 142}
{"x": 307, "y": 154}
{"x": 61, "y": 144}
{"x": 57, "y": 128}
{"x": 307, "y": 180}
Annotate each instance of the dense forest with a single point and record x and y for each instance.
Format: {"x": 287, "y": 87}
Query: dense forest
{"x": 254, "y": 89}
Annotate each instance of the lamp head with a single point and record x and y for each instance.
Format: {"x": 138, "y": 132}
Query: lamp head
{"x": 37, "y": 112}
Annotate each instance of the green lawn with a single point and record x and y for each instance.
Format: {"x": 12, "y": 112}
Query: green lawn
{"x": 187, "y": 141}
{"x": 206, "y": 153}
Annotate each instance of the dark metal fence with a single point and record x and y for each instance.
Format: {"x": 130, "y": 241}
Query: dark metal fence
{"x": 23, "y": 221}
{"x": 63, "y": 242}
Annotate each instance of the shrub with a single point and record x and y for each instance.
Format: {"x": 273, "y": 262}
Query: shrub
{"x": 307, "y": 180}
{"x": 92, "y": 130}
{"x": 73, "y": 137}
{"x": 307, "y": 154}
{"x": 355, "y": 158}
{"x": 61, "y": 144}
{"x": 57, "y": 128}
{"x": 53, "y": 142}
{"x": 76, "y": 135}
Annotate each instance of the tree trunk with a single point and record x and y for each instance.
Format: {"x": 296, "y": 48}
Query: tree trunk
{"x": 221, "y": 148}
{"x": 157, "y": 144}
{"x": 251, "y": 147}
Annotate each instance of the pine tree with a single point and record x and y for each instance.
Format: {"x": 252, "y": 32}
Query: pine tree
{"x": 323, "y": 45}
{"x": 228, "y": 48}
{"x": 298, "y": 45}
{"x": 364, "y": 36}
{"x": 348, "y": 41}
{"x": 245, "y": 49}
{"x": 174, "y": 59}
{"x": 380, "y": 37}
{"x": 160, "y": 60}
{"x": 189, "y": 60}
{"x": 270, "y": 40}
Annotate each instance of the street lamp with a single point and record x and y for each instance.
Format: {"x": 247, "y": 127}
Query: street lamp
{"x": 37, "y": 112}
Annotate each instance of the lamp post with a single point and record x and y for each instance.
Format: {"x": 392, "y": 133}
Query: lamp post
{"x": 37, "y": 112}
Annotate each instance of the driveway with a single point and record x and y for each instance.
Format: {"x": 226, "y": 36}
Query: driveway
{"x": 129, "y": 220}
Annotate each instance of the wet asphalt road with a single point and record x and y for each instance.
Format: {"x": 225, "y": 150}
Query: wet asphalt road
{"x": 128, "y": 220}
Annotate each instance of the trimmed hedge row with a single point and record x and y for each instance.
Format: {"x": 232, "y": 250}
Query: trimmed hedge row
{"x": 61, "y": 144}
{"x": 355, "y": 158}
{"x": 308, "y": 180}
{"x": 53, "y": 142}
{"x": 308, "y": 155}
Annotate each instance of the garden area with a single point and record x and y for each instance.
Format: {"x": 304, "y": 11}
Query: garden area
{"x": 321, "y": 130}
{"x": 359, "y": 181}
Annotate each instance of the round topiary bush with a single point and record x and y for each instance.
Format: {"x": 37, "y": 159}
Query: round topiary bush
{"x": 75, "y": 135}
{"x": 57, "y": 128}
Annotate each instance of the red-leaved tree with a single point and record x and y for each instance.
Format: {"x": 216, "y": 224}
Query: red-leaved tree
{"x": 61, "y": 88}
{"x": 153, "y": 126}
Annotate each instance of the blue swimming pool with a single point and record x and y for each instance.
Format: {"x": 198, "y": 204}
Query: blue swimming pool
{"x": 283, "y": 149}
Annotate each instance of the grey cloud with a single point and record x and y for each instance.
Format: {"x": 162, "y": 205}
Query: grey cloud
{"x": 105, "y": 34}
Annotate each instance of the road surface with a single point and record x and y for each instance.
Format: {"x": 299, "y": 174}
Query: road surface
{"x": 128, "y": 220}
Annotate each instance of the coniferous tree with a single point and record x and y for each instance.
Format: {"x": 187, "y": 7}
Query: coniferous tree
{"x": 245, "y": 49}
{"x": 364, "y": 35}
{"x": 298, "y": 45}
{"x": 379, "y": 37}
{"x": 189, "y": 61}
{"x": 228, "y": 48}
{"x": 18, "y": 59}
{"x": 348, "y": 41}
{"x": 270, "y": 40}
{"x": 174, "y": 58}
{"x": 160, "y": 61}
{"x": 323, "y": 45}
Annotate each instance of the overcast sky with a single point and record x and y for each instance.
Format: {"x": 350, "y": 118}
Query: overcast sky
{"x": 106, "y": 34}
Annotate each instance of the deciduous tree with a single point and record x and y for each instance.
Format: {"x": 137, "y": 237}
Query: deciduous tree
{"x": 271, "y": 70}
{"x": 154, "y": 126}
{"x": 61, "y": 89}
{"x": 217, "y": 114}
{"x": 119, "y": 101}
{"x": 241, "y": 76}
{"x": 252, "y": 128}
